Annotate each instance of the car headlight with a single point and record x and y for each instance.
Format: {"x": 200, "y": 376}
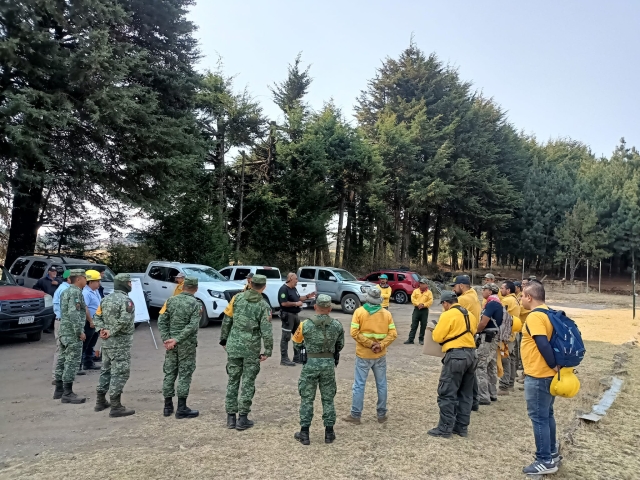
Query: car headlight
{"x": 363, "y": 289}
{"x": 48, "y": 301}
{"x": 215, "y": 294}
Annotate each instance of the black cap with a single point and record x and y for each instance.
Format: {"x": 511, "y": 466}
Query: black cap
{"x": 448, "y": 296}
{"x": 250, "y": 275}
{"x": 460, "y": 280}
{"x": 53, "y": 269}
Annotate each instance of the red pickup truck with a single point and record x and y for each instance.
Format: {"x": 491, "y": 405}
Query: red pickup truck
{"x": 23, "y": 310}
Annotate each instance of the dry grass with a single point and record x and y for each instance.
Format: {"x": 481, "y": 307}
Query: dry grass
{"x": 499, "y": 444}
{"x": 606, "y": 299}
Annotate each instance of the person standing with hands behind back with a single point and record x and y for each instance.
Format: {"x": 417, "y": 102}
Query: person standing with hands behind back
{"x": 73, "y": 313}
{"x": 290, "y": 306}
{"x": 179, "y": 330}
{"x": 422, "y": 299}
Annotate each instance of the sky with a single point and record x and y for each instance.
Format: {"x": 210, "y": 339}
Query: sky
{"x": 559, "y": 69}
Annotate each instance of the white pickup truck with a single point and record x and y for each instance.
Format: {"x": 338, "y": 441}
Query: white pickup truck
{"x": 239, "y": 273}
{"x": 214, "y": 291}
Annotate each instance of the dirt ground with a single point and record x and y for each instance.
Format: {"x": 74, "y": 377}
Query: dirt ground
{"x": 42, "y": 439}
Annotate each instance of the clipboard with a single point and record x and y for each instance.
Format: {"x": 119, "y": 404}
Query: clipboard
{"x": 430, "y": 347}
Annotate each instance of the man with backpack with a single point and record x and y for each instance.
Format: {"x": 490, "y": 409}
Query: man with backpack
{"x": 539, "y": 367}
{"x": 455, "y": 333}
{"x": 510, "y": 363}
{"x": 488, "y": 338}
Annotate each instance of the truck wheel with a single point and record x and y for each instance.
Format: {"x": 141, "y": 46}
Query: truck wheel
{"x": 204, "y": 320}
{"x": 349, "y": 303}
{"x": 35, "y": 336}
{"x": 401, "y": 297}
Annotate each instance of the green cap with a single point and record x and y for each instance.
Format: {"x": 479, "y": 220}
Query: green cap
{"x": 384, "y": 275}
{"x": 323, "y": 301}
{"x": 191, "y": 281}
{"x": 449, "y": 297}
{"x": 123, "y": 277}
{"x": 491, "y": 286}
{"x": 77, "y": 272}
{"x": 259, "y": 280}
{"x": 66, "y": 274}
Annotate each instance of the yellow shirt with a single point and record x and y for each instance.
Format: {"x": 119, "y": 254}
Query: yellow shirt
{"x": 385, "y": 293}
{"x": 534, "y": 363}
{"x": 367, "y": 329}
{"x": 500, "y": 295}
{"x": 452, "y": 323}
{"x": 418, "y": 297}
{"x": 469, "y": 300}
{"x": 176, "y": 291}
{"x": 229, "y": 310}
{"x": 512, "y": 304}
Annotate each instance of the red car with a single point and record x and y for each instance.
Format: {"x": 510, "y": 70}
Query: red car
{"x": 23, "y": 310}
{"x": 402, "y": 283}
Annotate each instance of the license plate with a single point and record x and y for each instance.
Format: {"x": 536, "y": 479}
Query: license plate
{"x": 23, "y": 320}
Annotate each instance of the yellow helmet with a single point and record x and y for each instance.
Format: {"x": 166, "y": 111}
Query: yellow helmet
{"x": 92, "y": 275}
{"x": 517, "y": 325}
{"x": 565, "y": 383}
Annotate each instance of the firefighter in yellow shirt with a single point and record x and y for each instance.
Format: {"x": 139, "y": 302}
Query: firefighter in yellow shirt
{"x": 385, "y": 291}
{"x": 422, "y": 299}
{"x": 509, "y": 365}
{"x": 455, "y": 331}
{"x": 179, "y": 279}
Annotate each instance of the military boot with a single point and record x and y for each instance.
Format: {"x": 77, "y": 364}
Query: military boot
{"x": 57, "y": 393}
{"x": 329, "y": 435}
{"x": 101, "y": 402}
{"x": 231, "y": 420}
{"x": 168, "y": 406}
{"x": 68, "y": 396}
{"x": 286, "y": 362}
{"x": 183, "y": 411}
{"x": 303, "y": 436}
{"x": 296, "y": 357}
{"x": 119, "y": 410}
{"x": 243, "y": 422}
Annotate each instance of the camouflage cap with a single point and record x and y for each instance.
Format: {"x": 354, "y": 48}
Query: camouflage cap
{"x": 123, "y": 277}
{"x": 490, "y": 276}
{"x": 449, "y": 297}
{"x": 77, "y": 272}
{"x": 491, "y": 286}
{"x": 191, "y": 281}
{"x": 259, "y": 280}
{"x": 323, "y": 301}
{"x": 424, "y": 280}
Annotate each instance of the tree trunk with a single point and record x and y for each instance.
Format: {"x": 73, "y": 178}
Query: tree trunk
{"x": 406, "y": 237}
{"x": 326, "y": 254}
{"x": 23, "y": 232}
{"x": 219, "y": 166}
{"x": 490, "y": 250}
{"x": 425, "y": 239}
{"x": 347, "y": 238}
{"x": 573, "y": 266}
{"x": 339, "y": 234}
{"x": 436, "y": 240}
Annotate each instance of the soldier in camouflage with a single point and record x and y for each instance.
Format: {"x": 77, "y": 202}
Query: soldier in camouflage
{"x": 114, "y": 319}
{"x": 323, "y": 339}
{"x": 178, "y": 327}
{"x": 71, "y": 336}
{"x": 242, "y": 337}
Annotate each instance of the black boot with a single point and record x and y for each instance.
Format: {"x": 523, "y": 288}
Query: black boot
{"x": 286, "y": 362}
{"x": 57, "y": 393}
{"x": 119, "y": 410}
{"x": 296, "y": 357}
{"x": 101, "y": 402}
{"x": 329, "y": 435}
{"x": 168, "y": 406}
{"x": 231, "y": 420}
{"x": 303, "y": 436}
{"x": 243, "y": 423}
{"x": 68, "y": 396}
{"x": 183, "y": 411}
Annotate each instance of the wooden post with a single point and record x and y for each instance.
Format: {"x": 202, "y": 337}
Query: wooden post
{"x": 565, "y": 268}
{"x": 633, "y": 281}
{"x": 522, "y": 268}
{"x": 239, "y": 239}
{"x": 600, "y": 276}
{"x": 587, "y": 275}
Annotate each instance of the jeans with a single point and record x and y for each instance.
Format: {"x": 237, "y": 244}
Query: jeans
{"x": 362, "y": 367}
{"x": 539, "y": 400}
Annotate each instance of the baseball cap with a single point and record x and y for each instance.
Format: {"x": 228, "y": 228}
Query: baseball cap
{"x": 460, "y": 280}
{"x": 448, "y": 296}
{"x": 323, "y": 301}
{"x": 259, "y": 280}
{"x": 383, "y": 276}
{"x": 66, "y": 274}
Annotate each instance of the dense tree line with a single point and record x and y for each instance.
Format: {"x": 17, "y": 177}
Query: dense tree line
{"x": 101, "y": 108}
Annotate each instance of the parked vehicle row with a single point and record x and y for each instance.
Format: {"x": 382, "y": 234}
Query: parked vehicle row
{"x": 343, "y": 288}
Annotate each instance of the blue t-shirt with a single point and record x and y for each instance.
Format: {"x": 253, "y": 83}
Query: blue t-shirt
{"x": 494, "y": 311}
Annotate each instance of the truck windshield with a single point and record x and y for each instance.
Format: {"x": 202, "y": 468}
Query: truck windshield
{"x": 343, "y": 275}
{"x": 204, "y": 274}
{"x": 269, "y": 273}
{"x": 5, "y": 277}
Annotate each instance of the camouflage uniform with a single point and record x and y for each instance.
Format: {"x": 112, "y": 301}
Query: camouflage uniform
{"x": 486, "y": 372}
{"x": 180, "y": 322}
{"x": 116, "y": 314}
{"x": 74, "y": 315}
{"x": 322, "y": 336}
{"x": 242, "y": 335}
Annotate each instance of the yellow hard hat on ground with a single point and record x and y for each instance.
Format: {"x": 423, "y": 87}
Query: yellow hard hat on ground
{"x": 92, "y": 275}
{"x": 565, "y": 383}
